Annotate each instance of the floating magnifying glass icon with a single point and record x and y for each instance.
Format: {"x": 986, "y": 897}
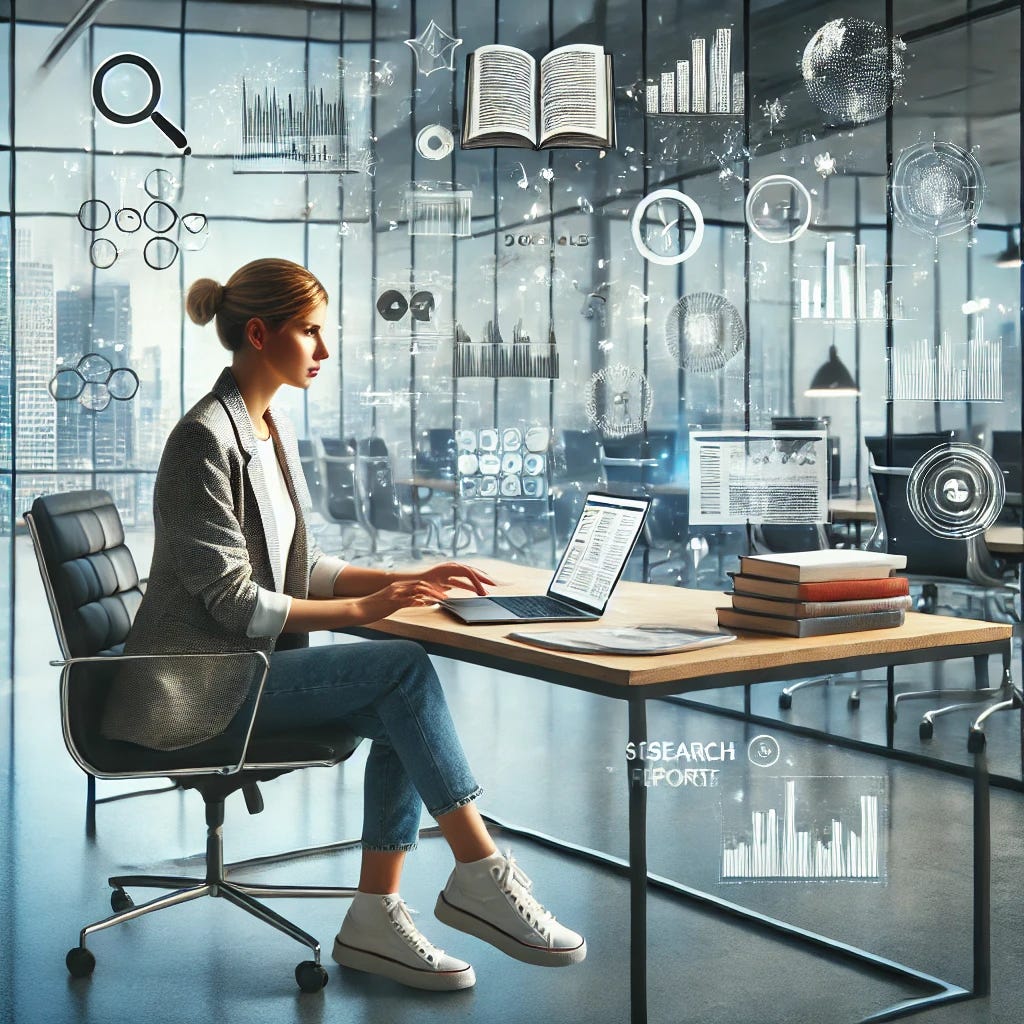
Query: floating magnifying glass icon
{"x": 147, "y": 110}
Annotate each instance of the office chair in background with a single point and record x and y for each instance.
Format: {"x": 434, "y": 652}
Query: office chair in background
{"x": 92, "y": 587}
{"x": 965, "y": 564}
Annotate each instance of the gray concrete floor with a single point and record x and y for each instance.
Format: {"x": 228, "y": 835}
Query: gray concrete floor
{"x": 548, "y": 758}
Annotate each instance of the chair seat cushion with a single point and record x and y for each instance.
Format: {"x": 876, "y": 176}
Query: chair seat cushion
{"x": 323, "y": 744}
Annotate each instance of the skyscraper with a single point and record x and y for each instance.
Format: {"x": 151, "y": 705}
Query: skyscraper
{"x": 35, "y": 410}
{"x": 721, "y": 80}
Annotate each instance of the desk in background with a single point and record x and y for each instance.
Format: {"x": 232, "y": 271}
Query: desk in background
{"x": 1002, "y": 539}
{"x": 750, "y": 659}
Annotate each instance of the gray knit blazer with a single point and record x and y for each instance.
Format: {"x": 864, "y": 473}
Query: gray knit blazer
{"x": 215, "y": 543}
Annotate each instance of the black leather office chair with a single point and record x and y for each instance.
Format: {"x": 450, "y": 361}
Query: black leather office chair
{"x": 384, "y": 512}
{"x": 967, "y": 565}
{"x": 92, "y": 586}
{"x": 339, "y": 499}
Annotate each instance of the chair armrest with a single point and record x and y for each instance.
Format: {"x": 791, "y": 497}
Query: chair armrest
{"x": 85, "y": 683}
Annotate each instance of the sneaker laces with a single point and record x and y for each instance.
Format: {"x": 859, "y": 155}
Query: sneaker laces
{"x": 517, "y": 888}
{"x": 401, "y": 919}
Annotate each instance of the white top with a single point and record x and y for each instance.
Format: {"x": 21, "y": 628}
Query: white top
{"x": 280, "y": 501}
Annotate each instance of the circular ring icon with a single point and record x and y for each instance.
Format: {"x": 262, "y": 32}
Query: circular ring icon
{"x": 160, "y": 253}
{"x": 763, "y": 751}
{"x": 127, "y": 220}
{"x": 160, "y": 217}
{"x": 435, "y": 142}
{"x": 102, "y": 253}
{"x": 392, "y": 305}
{"x": 956, "y": 491}
{"x": 689, "y": 205}
{"x": 778, "y": 209}
{"x": 94, "y": 215}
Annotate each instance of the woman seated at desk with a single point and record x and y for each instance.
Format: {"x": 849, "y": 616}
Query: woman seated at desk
{"x": 235, "y": 569}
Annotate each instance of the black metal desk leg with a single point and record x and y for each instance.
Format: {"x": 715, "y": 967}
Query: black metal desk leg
{"x": 890, "y": 706}
{"x": 982, "y": 878}
{"x": 637, "y": 863}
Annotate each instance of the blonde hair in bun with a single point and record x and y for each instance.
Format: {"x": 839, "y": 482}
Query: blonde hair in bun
{"x": 271, "y": 290}
{"x": 204, "y": 299}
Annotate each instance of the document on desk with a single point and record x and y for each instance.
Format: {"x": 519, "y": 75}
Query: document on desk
{"x": 623, "y": 640}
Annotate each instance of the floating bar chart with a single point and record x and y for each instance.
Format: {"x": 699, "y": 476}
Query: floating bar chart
{"x": 840, "y": 293}
{"x": 703, "y": 85}
{"x": 970, "y": 371}
{"x": 773, "y": 848}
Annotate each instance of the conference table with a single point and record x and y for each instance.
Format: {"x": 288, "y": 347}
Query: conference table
{"x": 752, "y": 658}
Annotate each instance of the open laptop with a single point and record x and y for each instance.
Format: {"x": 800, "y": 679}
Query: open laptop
{"x": 593, "y": 561}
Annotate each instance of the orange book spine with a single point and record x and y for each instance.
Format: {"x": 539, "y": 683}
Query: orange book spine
{"x": 854, "y": 590}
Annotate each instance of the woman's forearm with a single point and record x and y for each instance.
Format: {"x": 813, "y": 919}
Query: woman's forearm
{"x": 355, "y": 581}
{"x": 309, "y": 614}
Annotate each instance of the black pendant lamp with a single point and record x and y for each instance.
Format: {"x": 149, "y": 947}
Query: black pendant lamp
{"x": 833, "y": 379}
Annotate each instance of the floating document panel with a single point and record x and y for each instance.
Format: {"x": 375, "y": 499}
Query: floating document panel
{"x": 769, "y": 476}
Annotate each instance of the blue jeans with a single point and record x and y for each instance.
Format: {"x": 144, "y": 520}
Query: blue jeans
{"x": 387, "y": 691}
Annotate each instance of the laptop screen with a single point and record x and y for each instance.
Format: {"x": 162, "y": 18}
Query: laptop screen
{"x": 598, "y": 550}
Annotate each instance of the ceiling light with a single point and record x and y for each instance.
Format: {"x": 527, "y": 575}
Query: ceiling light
{"x": 833, "y": 379}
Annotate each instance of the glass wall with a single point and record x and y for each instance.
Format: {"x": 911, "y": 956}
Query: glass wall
{"x": 419, "y": 246}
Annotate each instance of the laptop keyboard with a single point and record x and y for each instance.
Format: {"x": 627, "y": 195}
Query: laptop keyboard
{"x": 531, "y": 607}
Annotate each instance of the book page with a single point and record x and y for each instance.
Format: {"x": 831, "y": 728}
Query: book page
{"x": 574, "y": 92}
{"x": 502, "y": 93}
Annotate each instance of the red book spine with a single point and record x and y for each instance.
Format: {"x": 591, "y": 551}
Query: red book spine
{"x": 854, "y": 590}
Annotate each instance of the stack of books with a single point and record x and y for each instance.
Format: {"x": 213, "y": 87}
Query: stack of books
{"x": 813, "y": 593}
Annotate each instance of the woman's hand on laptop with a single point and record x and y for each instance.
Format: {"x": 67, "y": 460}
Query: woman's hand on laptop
{"x": 455, "y": 574}
{"x": 395, "y": 596}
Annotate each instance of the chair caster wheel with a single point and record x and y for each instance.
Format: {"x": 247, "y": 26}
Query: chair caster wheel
{"x": 80, "y": 962}
{"x": 311, "y": 976}
{"x": 853, "y": 701}
{"x": 926, "y": 730}
{"x": 120, "y": 900}
{"x": 785, "y": 701}
{"x": 976, "y": 741}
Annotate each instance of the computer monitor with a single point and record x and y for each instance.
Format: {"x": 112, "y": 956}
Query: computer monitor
{"x": 1009, "y": 454}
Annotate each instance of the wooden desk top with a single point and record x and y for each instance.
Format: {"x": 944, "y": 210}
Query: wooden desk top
{"x": 637, "y": 603}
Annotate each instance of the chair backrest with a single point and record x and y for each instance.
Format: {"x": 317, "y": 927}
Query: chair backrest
{"x": 898, "y": 532}
{"x": 436, "y": 454}
{"x": 340, "y": 493}
{"x": 92, "y": 585}
{"x": 654, "y": 456}
{"x": 783, "y": 538}
{"x": 1008, "y": 453}
{"x": 311, "y": 471}
{"x": 906, "y": 448}
{"x": 582, "y": 456}
{"x": 378, "y": 485}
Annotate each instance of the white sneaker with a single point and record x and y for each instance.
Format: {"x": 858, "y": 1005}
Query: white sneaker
{"x": 378, "y": 936}
{"x": 491, "y": 899}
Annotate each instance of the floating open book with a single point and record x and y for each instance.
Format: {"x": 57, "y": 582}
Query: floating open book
{"x": 568, "y": 101}
{"x": 623, "y": 640}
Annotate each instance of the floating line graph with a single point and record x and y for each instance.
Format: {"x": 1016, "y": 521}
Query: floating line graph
{"x": 297, "y": 128}
{"x": 773, "y": 848}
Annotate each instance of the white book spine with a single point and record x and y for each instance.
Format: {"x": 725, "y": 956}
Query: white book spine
{"x": 860, "y": 275}
{"x": 683, "y": 86}
{"x": 699, "y": 77}
{"x": 668, "y": 92}
{"x": 652, "y": 99}
{"x": 830, "y": 280}
{"x": 721, "y": 49}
